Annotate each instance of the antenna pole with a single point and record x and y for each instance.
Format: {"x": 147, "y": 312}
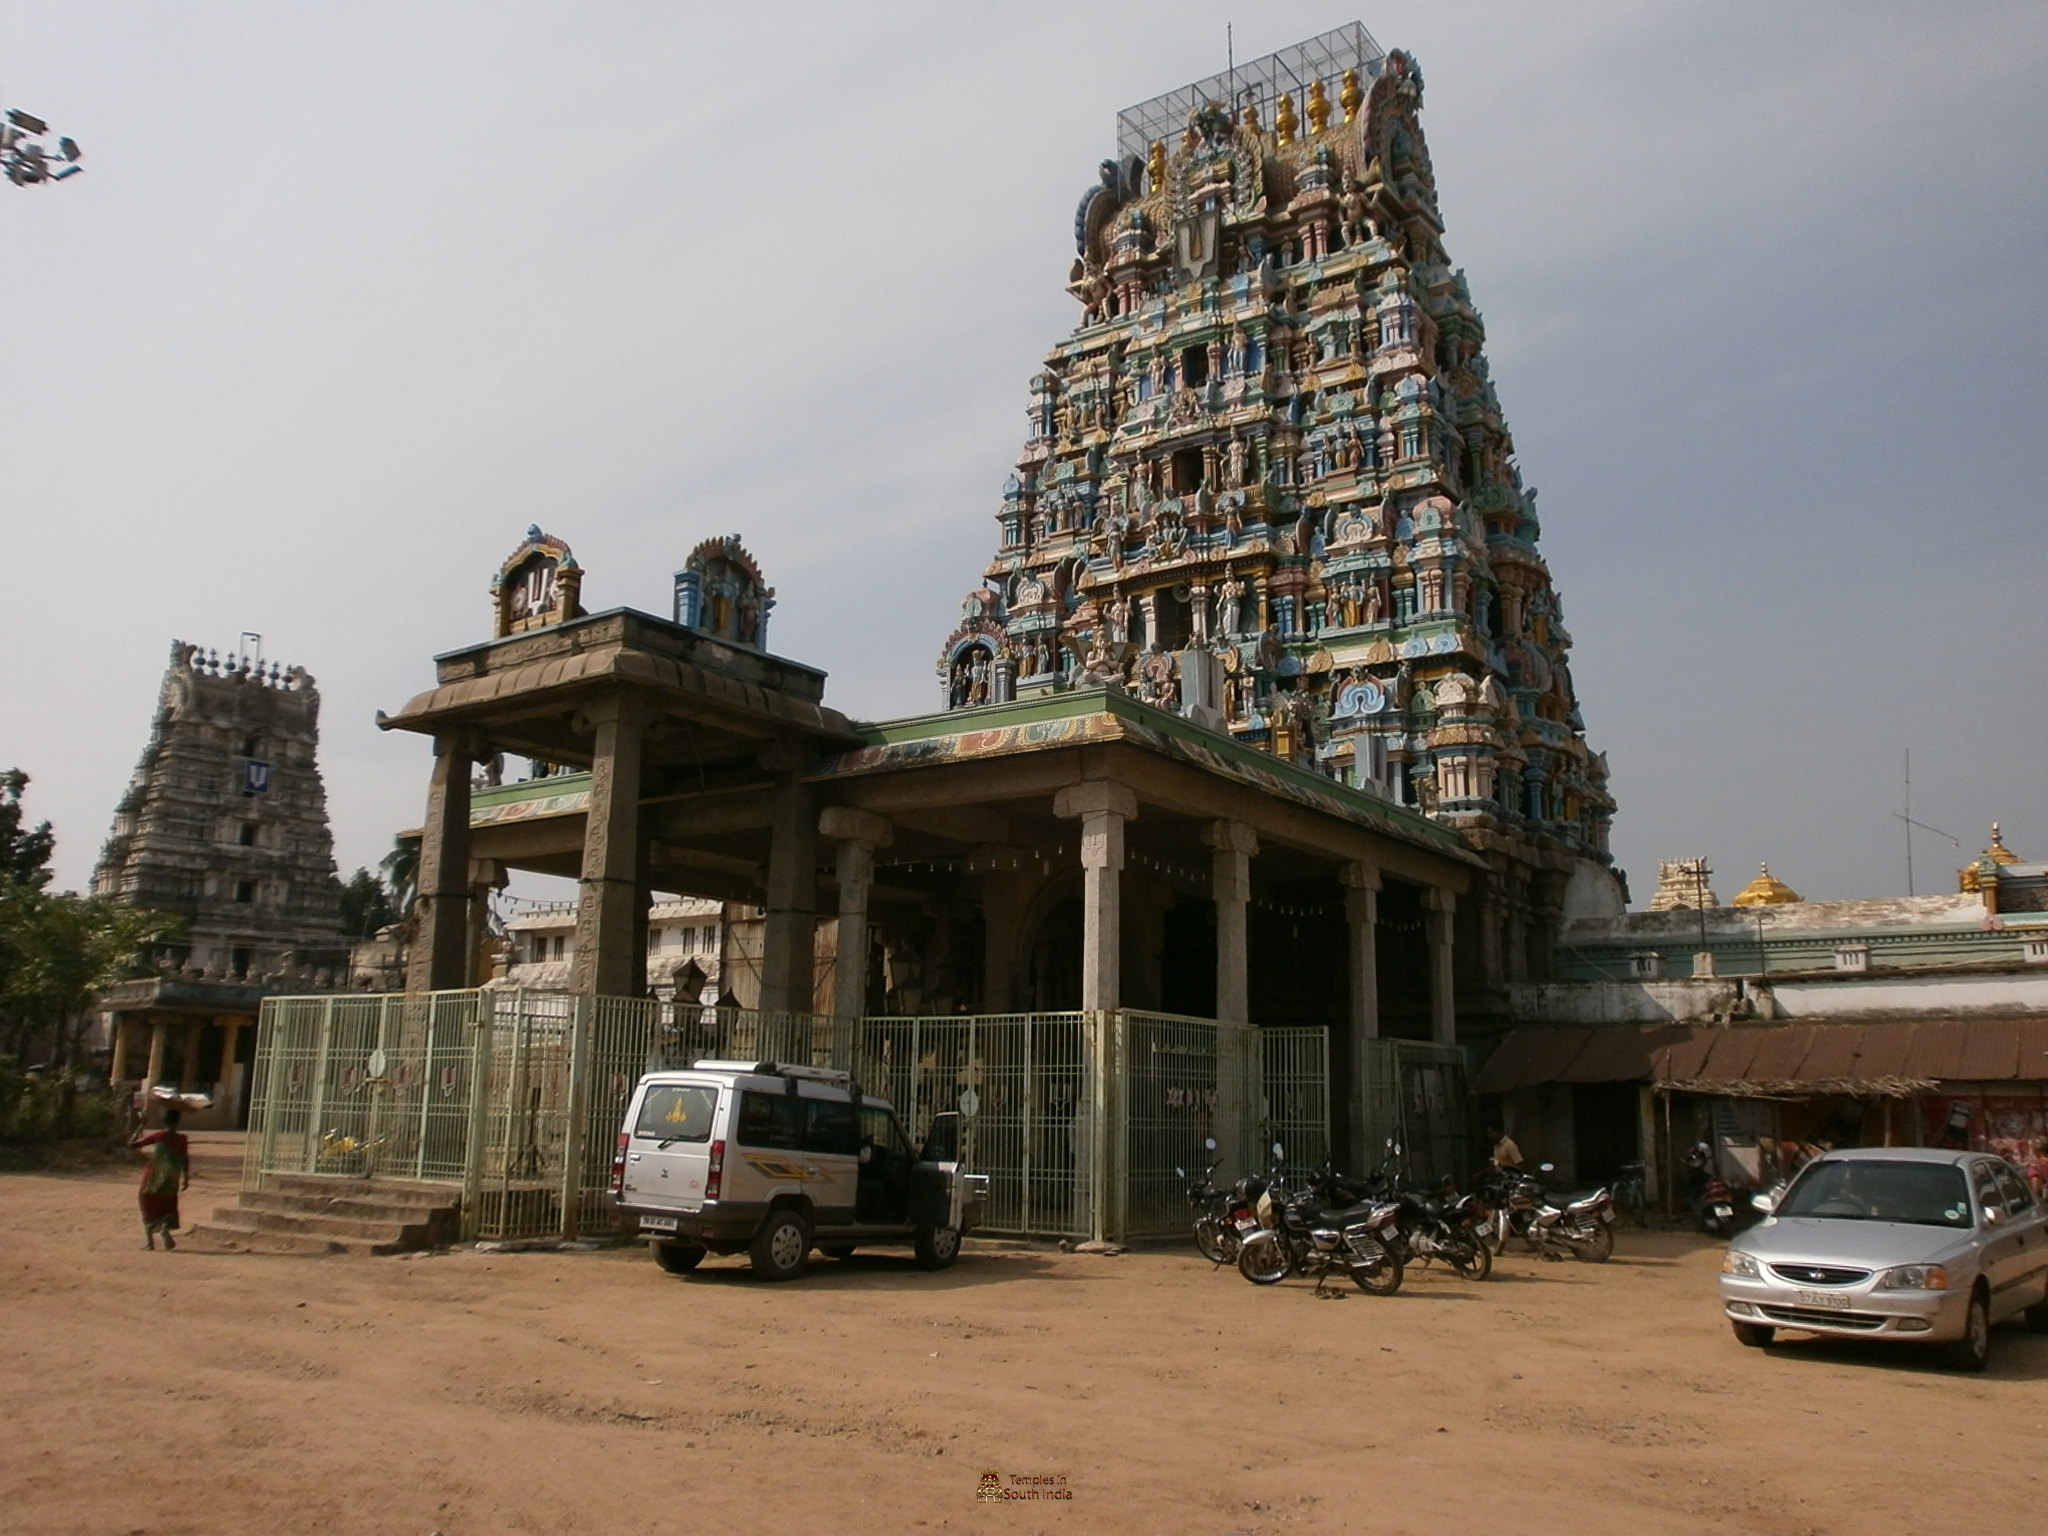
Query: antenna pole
{"x": 1230, "y": 55}
{"x": 1908, "y": 819}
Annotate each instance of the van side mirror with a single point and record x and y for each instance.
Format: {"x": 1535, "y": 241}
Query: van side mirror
{"x": 1763, "y": 1201}
{"x": 942, "y": 1139}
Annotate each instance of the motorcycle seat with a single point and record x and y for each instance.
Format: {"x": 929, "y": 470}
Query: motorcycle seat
{"x": 1347, "y": 1215}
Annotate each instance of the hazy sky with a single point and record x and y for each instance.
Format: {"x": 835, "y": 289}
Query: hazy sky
{"x": 353, "y": 293}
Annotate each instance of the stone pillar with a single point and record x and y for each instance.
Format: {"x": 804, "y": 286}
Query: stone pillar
{"x": 789, "y": 926}
{"x": 1362, "y": 975}
{"x": 230, "y": 1028}
{"x": 1102, "y": 808}
{"x": 153, "y": 1073}
{"x": 859, "y": 834}
{"x": 999, "y": 913}
{"x": 1443, "y": 1013}
{"x": 118, "y": 1067}
{"x": 605, "y": 964}
{"x": 188, "y": 1060}
{"x": 440, "y": 950}
{"x": 1230, "y": 880}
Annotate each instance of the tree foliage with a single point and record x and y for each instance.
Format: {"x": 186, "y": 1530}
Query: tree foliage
{"x": 365, "y": 905}
{"x": 24, "y": 856}
{"x": 57, "y": 949}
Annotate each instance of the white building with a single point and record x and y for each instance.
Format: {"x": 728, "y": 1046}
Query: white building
{"x": 689, "y": 946}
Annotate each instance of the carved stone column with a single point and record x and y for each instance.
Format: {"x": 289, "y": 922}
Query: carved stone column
{"x": 1102, "y": 808}
{"x": 1443, "y": 1011}
{"x": 440, "y": 949}
{"x": 1362, "y": 973}
{"x": 605, "y": 963}
{"x": 859, "y": 834}
{"x": 1230, "y": 879}
{"x": 790, "y": 920}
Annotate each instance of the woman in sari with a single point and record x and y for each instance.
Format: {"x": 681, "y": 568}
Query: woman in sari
{"x": 168, "y": 1171}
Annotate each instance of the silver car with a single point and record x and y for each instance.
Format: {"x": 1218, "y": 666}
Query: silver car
{"x": 1899, "y": 1243}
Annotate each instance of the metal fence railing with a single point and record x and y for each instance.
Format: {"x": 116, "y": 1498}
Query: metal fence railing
{"x": 1294, "y": 1079}
{"x": 514, "y": 1098}
{"x": 1415, "y": 1096}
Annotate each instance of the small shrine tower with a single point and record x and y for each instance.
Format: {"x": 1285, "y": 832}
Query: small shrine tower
{"x": 225, "y": 822}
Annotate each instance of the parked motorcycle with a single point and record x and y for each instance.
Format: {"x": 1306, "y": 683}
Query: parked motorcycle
{"x": 1216, "y": 1234}
{"x": 1578, "y": 1226}
{"x": 1432, "y": 1224}
{"x": 1303, "y": 1232}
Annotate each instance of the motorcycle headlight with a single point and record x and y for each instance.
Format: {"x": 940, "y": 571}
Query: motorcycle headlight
{"x": 1914, "y": 1277}
{"x": 1736, "y": 1262}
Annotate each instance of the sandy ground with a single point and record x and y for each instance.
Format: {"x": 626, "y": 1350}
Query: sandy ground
{"x": 471, "y": 1393}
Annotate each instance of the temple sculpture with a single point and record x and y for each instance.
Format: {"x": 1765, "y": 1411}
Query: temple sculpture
{"x": 1268, "y": 483}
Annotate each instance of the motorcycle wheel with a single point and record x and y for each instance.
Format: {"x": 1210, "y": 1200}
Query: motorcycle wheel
{"x": 1262, "y": 1262}
{"x": 1472, "y": 1261}
{"x": 1382, "y": 1279}
{"x": 1217, "y": 1241}
{"x": 1491, "y": 1237}
{"x": 1598, "y": 1248}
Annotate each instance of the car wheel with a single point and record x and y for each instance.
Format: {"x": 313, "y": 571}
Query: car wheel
{"x": 677, "y": 1258}
{"x": 1972, "y": 1352}
{"x": 1754, "y": 1335}
{"x": 782, "y": 1246}
{"x": 937, "y": 1247}
{"x": 836, "y": 1250}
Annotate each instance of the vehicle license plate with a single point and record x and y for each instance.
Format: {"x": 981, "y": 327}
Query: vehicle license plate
{"x": 1833, "y": 1300}
{"x": 657, "y": 1223}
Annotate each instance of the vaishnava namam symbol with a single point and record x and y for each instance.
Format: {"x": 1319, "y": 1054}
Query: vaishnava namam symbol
{"x": 991, "y": 1490}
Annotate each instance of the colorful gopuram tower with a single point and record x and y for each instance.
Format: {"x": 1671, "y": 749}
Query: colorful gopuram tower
{"x": 1268, "y": 482}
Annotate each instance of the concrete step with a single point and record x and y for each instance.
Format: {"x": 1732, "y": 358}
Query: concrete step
{"x": 346, "y": 1186}
{"x": 362, "y": 1207}
{"x": 396, "y": 1235}
{"x": 222, "y": 1237}
{"x": 235, "y": 1230}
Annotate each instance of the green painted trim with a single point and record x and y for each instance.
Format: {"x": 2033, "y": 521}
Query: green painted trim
{"x": 529, "y": 789}
{"x": 1122, "y": 707}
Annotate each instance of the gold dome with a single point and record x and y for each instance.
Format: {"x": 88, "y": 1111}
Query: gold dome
{"x": 1971, "y": 876}
{"x": 1766, "y": 891}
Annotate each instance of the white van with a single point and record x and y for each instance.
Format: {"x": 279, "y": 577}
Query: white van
{"x": 770, "y": 1160}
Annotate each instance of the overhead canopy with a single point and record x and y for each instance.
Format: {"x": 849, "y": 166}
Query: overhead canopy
{"x": 1892, "y": 1058}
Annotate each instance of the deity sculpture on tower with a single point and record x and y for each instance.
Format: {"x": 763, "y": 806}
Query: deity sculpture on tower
{"x": 1282, "y": 443}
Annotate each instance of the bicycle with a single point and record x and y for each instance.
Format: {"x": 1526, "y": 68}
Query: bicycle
{"x": 1631, "y": 1198}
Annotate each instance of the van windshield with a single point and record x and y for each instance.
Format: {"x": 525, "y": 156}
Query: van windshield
{"x": 1865, "y": 1189}
{"x": 676, "y": 1112}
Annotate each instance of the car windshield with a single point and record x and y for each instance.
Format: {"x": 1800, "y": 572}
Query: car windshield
{"x": 1857, "y": 1189}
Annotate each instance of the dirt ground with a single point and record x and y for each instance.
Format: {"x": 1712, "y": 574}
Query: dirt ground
{"x": 470, "y": 1393}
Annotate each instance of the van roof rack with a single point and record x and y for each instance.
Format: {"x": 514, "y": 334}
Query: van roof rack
{"x": 778, "y": 1069}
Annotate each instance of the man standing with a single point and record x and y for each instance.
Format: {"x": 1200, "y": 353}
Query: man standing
{"x": 1505, "y": 1153}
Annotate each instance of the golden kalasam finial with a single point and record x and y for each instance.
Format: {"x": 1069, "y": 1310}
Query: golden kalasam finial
{"x": 1351, "y": 98}
{"x": 1155, "y": 168}
{"x": 1318, "y": 107}
{"x": 1284, "y": 122}
{"x": 1251, "y": 113}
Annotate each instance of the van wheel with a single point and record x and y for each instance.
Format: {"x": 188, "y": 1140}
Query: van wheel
{"x": 780, "y": 1249}
{"x": 678, "y": 1258}
{"x": 937, "y": 1247}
